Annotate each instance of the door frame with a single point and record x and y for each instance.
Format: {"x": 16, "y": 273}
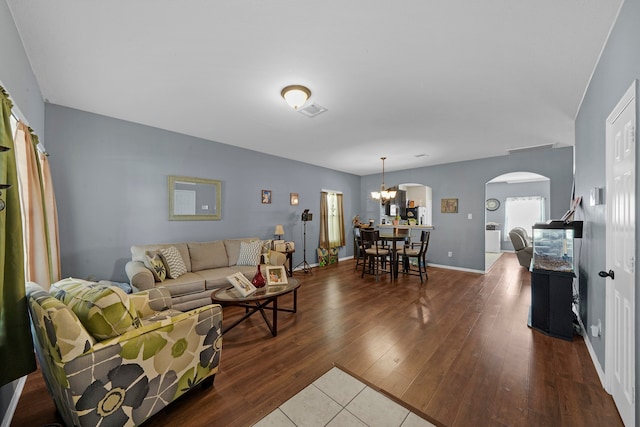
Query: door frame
{"x": 631, "y": 95}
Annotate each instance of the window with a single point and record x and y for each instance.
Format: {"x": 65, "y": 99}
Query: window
{"x": 335, "y": 220}
{"x": 523, "y": 212}
{"x": 14, "y": 125}
{"x": 331, "y": 220}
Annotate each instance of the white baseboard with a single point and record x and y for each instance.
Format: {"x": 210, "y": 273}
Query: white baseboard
{"x": 6, "y": 420}
{"x": 450, "y": 267}
{"x": 592, "y": 353}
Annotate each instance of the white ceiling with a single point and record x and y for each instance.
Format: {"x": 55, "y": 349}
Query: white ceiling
{"x": 452, "y": 79}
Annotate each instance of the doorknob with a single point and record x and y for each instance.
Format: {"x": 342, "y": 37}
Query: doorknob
{"x": 605, "y": 274}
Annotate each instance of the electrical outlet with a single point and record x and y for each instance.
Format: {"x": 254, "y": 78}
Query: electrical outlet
{"x": 596, "y": 330}
{"x": 469, "y": 216}
{"x": 450, "y": 254}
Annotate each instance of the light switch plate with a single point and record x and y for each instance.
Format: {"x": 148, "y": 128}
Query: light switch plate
{"x": 595, "y": 196}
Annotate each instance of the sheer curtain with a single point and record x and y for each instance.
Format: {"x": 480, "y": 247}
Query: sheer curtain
{"x": 39, "y": 216}
{"x": 51, "y": 217}
{"x": 16, "y": 348}
{"x": 331, "y": 220}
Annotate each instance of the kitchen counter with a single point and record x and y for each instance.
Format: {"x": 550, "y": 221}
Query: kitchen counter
{"x": 425, "y": 227}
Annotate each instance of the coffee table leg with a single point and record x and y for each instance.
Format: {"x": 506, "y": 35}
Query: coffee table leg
{"x": 275, "y": 317}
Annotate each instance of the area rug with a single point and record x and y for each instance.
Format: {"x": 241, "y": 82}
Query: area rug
{"x": 339, "y": 399}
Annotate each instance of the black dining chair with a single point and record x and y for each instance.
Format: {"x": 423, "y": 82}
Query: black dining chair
{"x": 359, "y": 252}
{"x": 416, "y": 251}
{"x": 375, "y": 256}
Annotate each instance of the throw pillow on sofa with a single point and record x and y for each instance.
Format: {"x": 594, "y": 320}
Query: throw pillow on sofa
{"x": 250, "y": 253}
{"x": 104, "y": 311}
{"x": 154, "y": 263}
{"x": 173, "y": 261}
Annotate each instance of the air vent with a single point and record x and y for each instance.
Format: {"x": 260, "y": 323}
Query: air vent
{"x": 312, "y": 110}
{"x": 535, "y": 148}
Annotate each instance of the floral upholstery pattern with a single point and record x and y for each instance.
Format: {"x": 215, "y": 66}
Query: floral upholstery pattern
{"x": 125, "y": 379}
{"x": 105, "y": 311}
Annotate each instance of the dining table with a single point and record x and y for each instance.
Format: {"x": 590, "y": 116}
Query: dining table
{"x": 394, "y": 239}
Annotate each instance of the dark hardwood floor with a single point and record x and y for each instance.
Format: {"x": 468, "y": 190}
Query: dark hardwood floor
{"x": 456, "y": 348}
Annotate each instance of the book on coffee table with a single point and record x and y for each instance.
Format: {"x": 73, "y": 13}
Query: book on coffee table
{"x": 242, "y": 284}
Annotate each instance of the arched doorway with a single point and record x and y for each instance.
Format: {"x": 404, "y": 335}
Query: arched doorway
{"x": 503, "y": 195}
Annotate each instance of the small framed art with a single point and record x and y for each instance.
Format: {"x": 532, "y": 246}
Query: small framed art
{"x": 449, "y": 205}
{"x": 242, "y": 284}
{"x": 293, "y": 199}
{"x": 266, "y": 197}
{"x": 276, "y": 275}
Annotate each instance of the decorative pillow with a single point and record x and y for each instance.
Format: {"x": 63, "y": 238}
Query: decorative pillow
{"x": 233, "y": 248}
{"x": 104, "y": 311}
{"x": 327, "y": 256}
{"x": 173, "y": 261}
{"x": 267, "y": 246}
{"x": 250, "y": 253}
{"x": 154, "y": 263}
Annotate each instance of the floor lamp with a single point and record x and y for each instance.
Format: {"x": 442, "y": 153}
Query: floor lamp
{"x": 306, "y": 216}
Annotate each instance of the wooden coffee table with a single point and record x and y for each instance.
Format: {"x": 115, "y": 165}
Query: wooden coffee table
{"x": 265, "y": 298}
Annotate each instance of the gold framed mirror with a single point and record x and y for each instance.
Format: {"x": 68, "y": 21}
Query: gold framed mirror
{"x": 194, "y": 199}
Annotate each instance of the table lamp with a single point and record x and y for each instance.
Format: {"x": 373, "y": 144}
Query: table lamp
{"x": 279, "y": 232}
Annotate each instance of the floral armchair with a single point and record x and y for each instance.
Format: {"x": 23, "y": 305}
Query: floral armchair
{"x": 111, "y": 358}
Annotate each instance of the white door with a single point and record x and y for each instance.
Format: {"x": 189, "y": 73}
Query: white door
{"x": 620, "y": 230}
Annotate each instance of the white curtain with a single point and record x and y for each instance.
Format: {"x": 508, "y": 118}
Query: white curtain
{"x": 331, "y": 220}
{"x": 39, "y": 214}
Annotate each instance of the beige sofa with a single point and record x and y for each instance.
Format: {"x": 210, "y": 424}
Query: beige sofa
{"x": 208, "y": 264}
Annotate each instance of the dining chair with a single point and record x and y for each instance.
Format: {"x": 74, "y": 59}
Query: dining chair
{"x": 359, "y": 252}
{"x": 375, "y": 256}
{"x": 416, "y": 251}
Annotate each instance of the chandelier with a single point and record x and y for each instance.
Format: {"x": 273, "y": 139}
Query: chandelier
{"x": 384, "y": 195}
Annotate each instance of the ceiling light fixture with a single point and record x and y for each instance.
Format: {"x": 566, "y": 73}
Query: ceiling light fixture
{"x": 296, "y": 95}
{"x": 384, "y": 195}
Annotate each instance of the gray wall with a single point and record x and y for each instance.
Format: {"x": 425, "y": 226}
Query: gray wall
{"x": 18, "y": 79}
{"x": 110, "y": 178}
{"x": 466, "y": 182}
{"x": 502, "y": 190}
{"x": 619, "y": 65}
{"x": 16, "y": 75}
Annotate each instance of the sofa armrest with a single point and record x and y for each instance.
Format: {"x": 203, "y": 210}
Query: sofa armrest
{"x": 148, "y": 367}
{"x": 151, "y": 301}
{"x": 139, "y": 275}
{"x": 150, "y": 339}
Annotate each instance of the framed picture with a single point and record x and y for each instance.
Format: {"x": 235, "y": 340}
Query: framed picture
{"x": 449, "y": 205}
{"x": 266, "y": 197}
{"x": 293, "y": 199}
{"x": 242, "y": 284}
{"x": 276, "y": 275}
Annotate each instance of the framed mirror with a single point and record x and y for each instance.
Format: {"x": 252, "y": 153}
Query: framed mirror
{"x": 194, "y": 199}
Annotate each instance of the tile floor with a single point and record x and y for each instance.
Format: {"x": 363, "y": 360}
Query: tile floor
{"x": 337, "y": 399}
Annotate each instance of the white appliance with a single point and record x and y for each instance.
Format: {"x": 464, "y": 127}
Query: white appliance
{"x": 422, "y": 215}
